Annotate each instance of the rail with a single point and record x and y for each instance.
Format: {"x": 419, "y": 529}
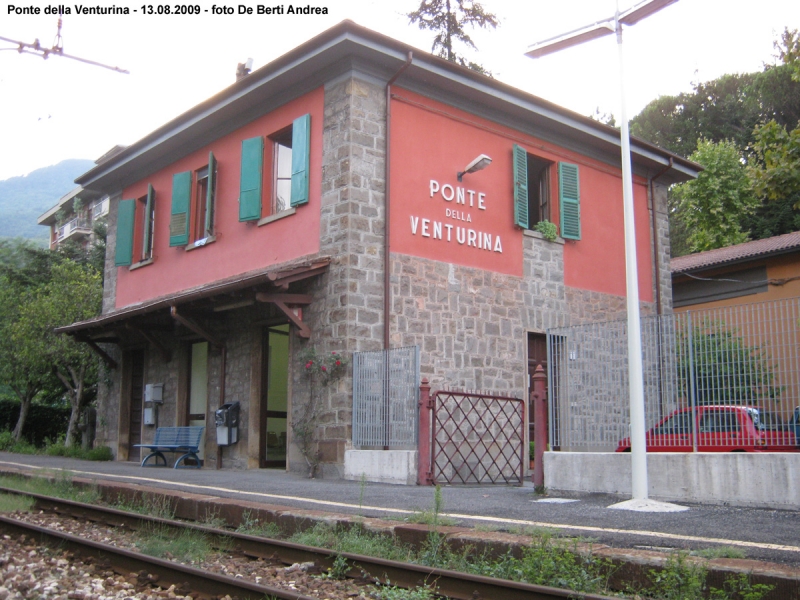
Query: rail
{"x": 451, "y": 584}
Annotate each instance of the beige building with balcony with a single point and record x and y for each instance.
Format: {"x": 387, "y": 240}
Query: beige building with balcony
{"x": 66, "y": 223}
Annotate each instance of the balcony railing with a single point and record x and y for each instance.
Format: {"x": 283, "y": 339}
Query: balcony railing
{"x": 76, "y": 225}
{"x": 100, "y": 208}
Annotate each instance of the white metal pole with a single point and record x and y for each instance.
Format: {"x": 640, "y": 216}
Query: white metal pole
{"x": 635, "y": 378}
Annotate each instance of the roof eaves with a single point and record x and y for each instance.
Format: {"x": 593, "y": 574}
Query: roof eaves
{"x": 352, "y": 39}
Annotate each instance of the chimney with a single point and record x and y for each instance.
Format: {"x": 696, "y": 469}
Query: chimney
{"x": 243, "y": 69}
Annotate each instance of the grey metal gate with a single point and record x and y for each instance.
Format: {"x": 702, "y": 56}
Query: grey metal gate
{"x": 385, "y": 395}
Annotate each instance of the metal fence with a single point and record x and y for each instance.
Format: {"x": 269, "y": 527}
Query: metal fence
{"x": 385, "y": 396}
{"x": 477, "y": 438}
{"x": 747, "y": 355}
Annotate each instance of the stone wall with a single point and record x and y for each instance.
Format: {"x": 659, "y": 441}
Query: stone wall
{"x": 109, "y": 269}
{"x": 347, "y": 312}
{"x": 472, "y": 325}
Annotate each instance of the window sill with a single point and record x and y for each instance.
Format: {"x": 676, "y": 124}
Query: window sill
{"x": 200, "y": 243}
{"x": 277, "y": 216}
{"x": 536, "y": 234}
{"x": 140, "y": 264}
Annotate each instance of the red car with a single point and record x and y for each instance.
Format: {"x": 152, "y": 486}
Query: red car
{"x": 719, "y": 429}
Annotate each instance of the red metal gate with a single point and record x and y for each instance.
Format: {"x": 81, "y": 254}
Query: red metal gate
{"x": 474, "y": 438}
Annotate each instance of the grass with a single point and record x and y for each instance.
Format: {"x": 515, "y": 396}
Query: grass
{"x": 59, "y": 486}
{"x": 13, "y": 503}
{"x": 184, "y": 545}
{"x": 719, "y": 552}
{"x": 154, "y": 506}
{"x": 252, "y": 526}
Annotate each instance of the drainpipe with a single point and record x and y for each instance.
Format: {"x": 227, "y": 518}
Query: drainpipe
{"x": 659, "y": 308}
{"x": 387, "y": 170}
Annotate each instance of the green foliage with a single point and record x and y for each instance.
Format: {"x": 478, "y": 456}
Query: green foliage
{"x": 553, "y": 562}
{"x": 59, "y": 487}
{"x": 720, "y": 552}
{"x": 151, "y": 505}
{"x": 6, "y": 441}
{"x": 252, "y": 526}
{"x": 73, "y": 293}
{"x": 724, "y": 368}
{"x": 678, "y": 580}
{"x": 320, "y": 370}
{"x": 739, "y": 587}
{"x": 788, "y": 48}
{"x": 100, "y": 453}
{"x": 14, "y": 503}
{"x": 339, "y": 569}
{"x": 43, "y": 421}
{"x": 712, "y": 205}
{"x": 184, "y": 545}
{"x": 776, "y": 175}
{"x": 448, "y": 19}
{"x": 547, "y": 229}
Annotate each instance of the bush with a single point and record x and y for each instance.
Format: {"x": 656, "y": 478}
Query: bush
{"x": 100, "y": 453}
{"x": 43, "y": 421}
{"x": 6, "y": 441}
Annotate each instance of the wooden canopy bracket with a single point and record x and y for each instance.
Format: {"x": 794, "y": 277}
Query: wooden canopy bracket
{"x": 301, "y": 299}
{"x": 166, "y": 355}
{"x": 302, "y": 329}
{"x": 189, "y": 324}
{"x": 110, "y": 362}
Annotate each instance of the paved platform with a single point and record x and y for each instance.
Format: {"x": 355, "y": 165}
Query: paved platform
{"x": 763, "y": 534}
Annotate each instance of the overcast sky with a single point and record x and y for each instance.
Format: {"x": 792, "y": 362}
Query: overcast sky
{"x": 57, "y": 109}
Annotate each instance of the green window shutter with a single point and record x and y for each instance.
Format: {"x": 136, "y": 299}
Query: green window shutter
{"x": 569, "y": 201}
{"x": 147, "y": 225}
{"x": 211, "y": 194}
{"x": 250, "y": 180}
{"x": 520, "y": 164}
{"x": 126, "y": 213}
{"x": 181, "y": 203}
{"x": 301, "y": 152}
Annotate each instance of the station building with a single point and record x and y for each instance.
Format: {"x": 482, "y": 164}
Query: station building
{"x": 325, "y": 201}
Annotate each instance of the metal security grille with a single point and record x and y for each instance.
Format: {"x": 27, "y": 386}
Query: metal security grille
{"x": 385, "y": 396}
{"x": 739, "y": 355}
{"x": 477, "y": 438}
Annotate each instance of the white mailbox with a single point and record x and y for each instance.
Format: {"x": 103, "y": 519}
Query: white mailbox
{"x": 154, "y": 393}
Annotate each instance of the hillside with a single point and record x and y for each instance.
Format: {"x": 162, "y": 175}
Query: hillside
{"x": 23, "y": 199}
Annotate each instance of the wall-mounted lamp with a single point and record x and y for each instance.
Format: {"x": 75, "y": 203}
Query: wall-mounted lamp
{"x": 479, "y": 163}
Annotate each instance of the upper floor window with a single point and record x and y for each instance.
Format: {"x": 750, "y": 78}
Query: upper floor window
{"x": 533, "y": 193}
{"x": 135, "y": 227}
{"x": 281, "y": 170}
{"x": 287, "y": 183}
{"x": 193, "y": 205}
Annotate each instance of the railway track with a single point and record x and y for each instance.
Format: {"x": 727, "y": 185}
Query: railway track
{"x": 447, "y": 583}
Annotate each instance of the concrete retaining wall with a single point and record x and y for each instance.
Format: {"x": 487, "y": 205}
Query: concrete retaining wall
{"x": 745, "y": 479}
{"x": 382, "y": 466}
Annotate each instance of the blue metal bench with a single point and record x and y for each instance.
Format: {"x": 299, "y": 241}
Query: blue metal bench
{"x": 174, "y": 439}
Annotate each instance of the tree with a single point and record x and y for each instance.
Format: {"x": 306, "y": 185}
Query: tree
{"x": 723, "y": 368}
{"x": 712, "y": 205}
{"x": 788, "y": 48}
{"x": 777, "y": 174}
{"x": 23, "y": 368}
{"x": 449, "y": 18}
{"x": 73, "y": 293}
